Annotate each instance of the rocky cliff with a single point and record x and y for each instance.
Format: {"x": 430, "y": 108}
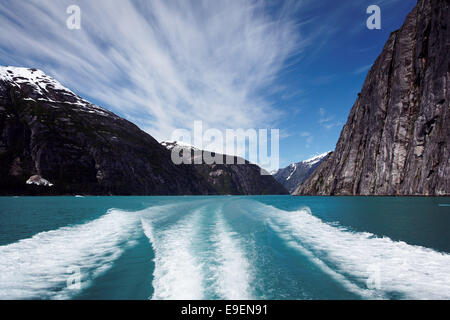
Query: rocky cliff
{"x": 240, "y": 178}
{"x": 54, "y": 142}
{"x": 397, "y": 138}
{"x": 295, "y": 174}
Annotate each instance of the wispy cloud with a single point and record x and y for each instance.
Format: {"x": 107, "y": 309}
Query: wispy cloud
{"x": 362, "y": 69}
{"x": 328, "y": 121}
{"x": 160, "y": 63}
{"x": 308, "y": 137}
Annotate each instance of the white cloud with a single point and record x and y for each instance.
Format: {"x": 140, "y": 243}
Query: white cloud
{"x": 308, "y": 137}
{"x": 363, "y": 69}
{"x": 162, "y": 64}
{"x": 328, "y": 121}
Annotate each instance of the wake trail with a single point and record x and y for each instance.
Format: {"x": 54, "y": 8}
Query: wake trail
{"x": 177, "y": 274}
{"x": 44, "y": 266}
{"x": 196, "y": 256}
{"x": 371, "y": 266}
{"x": 233, "y": 274}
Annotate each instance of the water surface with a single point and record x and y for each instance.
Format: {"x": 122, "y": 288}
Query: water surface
{"x": 272, "y": 247}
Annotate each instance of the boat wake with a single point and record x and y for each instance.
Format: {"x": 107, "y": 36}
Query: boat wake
{"x": 197, "y": 257}
{"x": 371, "y": 266}
{"x": 58, "y": 264}
{"x": 215, "y": 249}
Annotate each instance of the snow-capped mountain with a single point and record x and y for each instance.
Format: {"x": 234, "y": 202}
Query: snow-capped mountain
{"x": 45, "y": 89}
{"x": 295, "y": 174}
{"x": 52, "y": 141}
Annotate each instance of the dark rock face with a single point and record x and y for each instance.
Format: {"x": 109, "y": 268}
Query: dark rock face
{"x": 297, "y": 173}
{"x": 397, "y": 137}
{"x": 240, "y": 178}
{"x": 48, "y": 131}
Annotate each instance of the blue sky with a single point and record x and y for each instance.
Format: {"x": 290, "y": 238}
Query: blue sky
{"x": 294, "y": 65}
{"x": 332, "y": 72}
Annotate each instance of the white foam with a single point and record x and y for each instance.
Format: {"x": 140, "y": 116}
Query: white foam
{"x": 195, "y": 258}
{"x": 408, "y": 271}
{"x": 232, "y": 275}
{"x": 177, "y": 274}
{"x": 39, "y": 267}
{"x": 325, "y": 268}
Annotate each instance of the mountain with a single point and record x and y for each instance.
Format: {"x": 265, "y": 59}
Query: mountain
{"x": 295, "y": 174}
{"x": 54, "y": 142}
{"x": 397, "y": 138}
{"x": 231, "y": 179}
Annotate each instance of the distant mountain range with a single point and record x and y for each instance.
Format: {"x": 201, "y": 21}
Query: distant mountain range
{"x": 295, "y": 174}
{"x": 232, "y": 179}
{"x": 54, "y": 142}
{"x": 397, "y": 137}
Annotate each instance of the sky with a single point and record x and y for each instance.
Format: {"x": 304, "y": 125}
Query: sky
{"x": 292, "y": 65}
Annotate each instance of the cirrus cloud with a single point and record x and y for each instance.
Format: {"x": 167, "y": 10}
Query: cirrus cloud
{"x": 161, "y": 64}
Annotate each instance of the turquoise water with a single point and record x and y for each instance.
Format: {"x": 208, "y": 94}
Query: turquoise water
{"x": 276, "y": 247}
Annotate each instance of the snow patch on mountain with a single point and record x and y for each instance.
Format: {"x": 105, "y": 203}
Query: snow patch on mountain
{"x": 34, "y": 77}
{"x": 294, "y": 167}
{"x": 295, "y": 174}
{"x": 172, "y": 144}
{"x": 315, "y": 159}
{"x": 39, "y": 181}
{"x": 45, "y": 89}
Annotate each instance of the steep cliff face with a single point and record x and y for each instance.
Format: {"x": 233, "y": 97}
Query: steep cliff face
{"x": 397, "y": 137}
{"x": 54, "y": 142}
{"x": 240, "y": 178}
{"x": 294, "y": 175}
